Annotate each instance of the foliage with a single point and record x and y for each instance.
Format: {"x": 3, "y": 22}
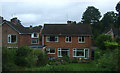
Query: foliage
{"x": 8, "y": 58}
{"x": 109, "y": 60}
{"x": 111, "y": 45}
{"x": 74, "y": 60}
{"x": 22, "y": 56}
{"x": 101, "y": 39}
{"x": 91, "y": 15}
{"x": 66, "y": 59}
{"x": 109, "y": 19}
{"x": 42, "y": 59}
{"x": 118, "y": 10}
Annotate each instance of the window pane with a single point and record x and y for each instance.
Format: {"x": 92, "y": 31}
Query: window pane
{"x": 69, "y": 39}
{"x": 35, "y": 34}
{"x": 80, "y": 52}
{"x": 52, "y": 50}
{"x": 13, "y": 38}
{"x": 8, "y": 38}
{"x": 34, "y": 41}
{"x": 79, "y": 39}
{"x": 86, "y": 53}
{"x": 82, "y": 38}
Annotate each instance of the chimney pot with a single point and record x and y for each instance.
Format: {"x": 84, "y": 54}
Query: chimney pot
{"x": 30, "y": 26}
{"x": 69, "y": 22}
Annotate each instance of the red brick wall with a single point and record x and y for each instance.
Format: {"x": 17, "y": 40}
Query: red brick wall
{"x": 62, "y": 44}
{"x": 6, "y": 29}
{"x": 24, "y": 39}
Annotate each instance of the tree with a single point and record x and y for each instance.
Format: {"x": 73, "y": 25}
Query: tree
{"x": 91, "y": 15}
{"x": 101, "y": 39}
{"x": 109, "y": 19}
{"x": 118, "y": 10}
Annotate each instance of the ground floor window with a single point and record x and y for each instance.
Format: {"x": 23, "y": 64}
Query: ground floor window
{"x": 81, "y": 53}
{"x": 50, "y": 50}
{"x": 63, "y": 52}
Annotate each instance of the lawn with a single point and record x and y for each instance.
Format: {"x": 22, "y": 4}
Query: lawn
{"x": 68, "y": 67}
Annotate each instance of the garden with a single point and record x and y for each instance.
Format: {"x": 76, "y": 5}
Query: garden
{"x": 106, "y": 58}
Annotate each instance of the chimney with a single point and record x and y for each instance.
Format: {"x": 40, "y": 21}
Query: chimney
{"x": 69, "y": 22}
{"x": 30, "y": 26}
{"x": 15, "y": 20}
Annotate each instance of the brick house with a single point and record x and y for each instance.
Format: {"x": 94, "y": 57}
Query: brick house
{"x": 14, "y": 34}
{"x": 73, "y": 40}
{"x": 114, "y": 32}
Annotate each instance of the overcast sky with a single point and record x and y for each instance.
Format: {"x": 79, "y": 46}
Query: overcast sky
{"x": 39, "y": 12}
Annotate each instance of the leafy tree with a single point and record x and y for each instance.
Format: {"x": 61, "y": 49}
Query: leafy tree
{"x": 108, "y": 19}
{"x": 91, "y": 15}
{"x": 118, "y": 10}
{"x": 101, "y": 39}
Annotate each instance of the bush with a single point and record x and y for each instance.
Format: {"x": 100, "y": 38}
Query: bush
{"x": 101, "y": 39}
{"x": 42, "y": 59}
{"x": 25, "y": 57}
{"x": 109, "y": 60}
{"x": 75, "y": 60}
{"x": 8, "y": 59}
{"x": 65, "y": 60}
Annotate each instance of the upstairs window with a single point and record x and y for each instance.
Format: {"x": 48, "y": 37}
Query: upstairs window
{"x": 12, "y": 38}
{"x": 52, "y": 39}
{"x": 81, "y": 39}
{"x": 35, "y": 35}
{"x": 68, "y": 39}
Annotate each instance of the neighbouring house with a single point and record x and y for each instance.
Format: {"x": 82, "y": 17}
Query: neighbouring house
{"x": 73, "y": 40}
{"x": 14, "y": 34}
{"x": 114, "y": 32}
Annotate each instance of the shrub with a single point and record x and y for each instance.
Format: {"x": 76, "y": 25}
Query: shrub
{"x": 101, "y": 39}
{"x": 8, "y": 59}
{"x": 24, "y": 57}
{"x": 75, "y": 60}
{"x": 42, "y": 59}
{"x": 65, "y": 60}
{"x": 109, "y": 60}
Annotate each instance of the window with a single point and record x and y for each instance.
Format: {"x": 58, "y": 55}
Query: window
{"x": 35, "y": 35}
{"x": 68, "y": 39}
{"x": 63, "y": 52}
{"x": 12, "y": 38}
{"x": 52, "y": 39}
{"x": 81, "y": 53}
{"x": 51, "y": 50}
{"x": 81, "y": 39}
{"x": 78, "y": 52}
{"x": 34, "y": 41}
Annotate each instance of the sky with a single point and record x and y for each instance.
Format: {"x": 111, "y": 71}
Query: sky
{"x": 40, "y": 12}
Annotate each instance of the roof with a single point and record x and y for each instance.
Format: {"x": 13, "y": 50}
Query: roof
{"x": 115, "y": 31}
{"x": 21, "y": 29}
{"x": 67, "y": 29}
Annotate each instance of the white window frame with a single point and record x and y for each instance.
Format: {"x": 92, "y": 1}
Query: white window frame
{"x": 51, "y": 41}
{"x": 60, "y": 50}
{"x": 75, "y": 49}
{"x": 35, "y": 43}
{"x": 32, "y": 35}
{"x": 48, "y": 49}
{"x": 81, "y": 39}
{"x": 9, "y": 35}
{"x": 68, "y": 39}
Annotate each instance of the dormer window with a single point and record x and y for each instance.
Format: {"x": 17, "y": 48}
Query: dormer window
{"x": 35, "y": 35}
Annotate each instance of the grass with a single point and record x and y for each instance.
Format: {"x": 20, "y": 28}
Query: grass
{"x": 68, "y": 67}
